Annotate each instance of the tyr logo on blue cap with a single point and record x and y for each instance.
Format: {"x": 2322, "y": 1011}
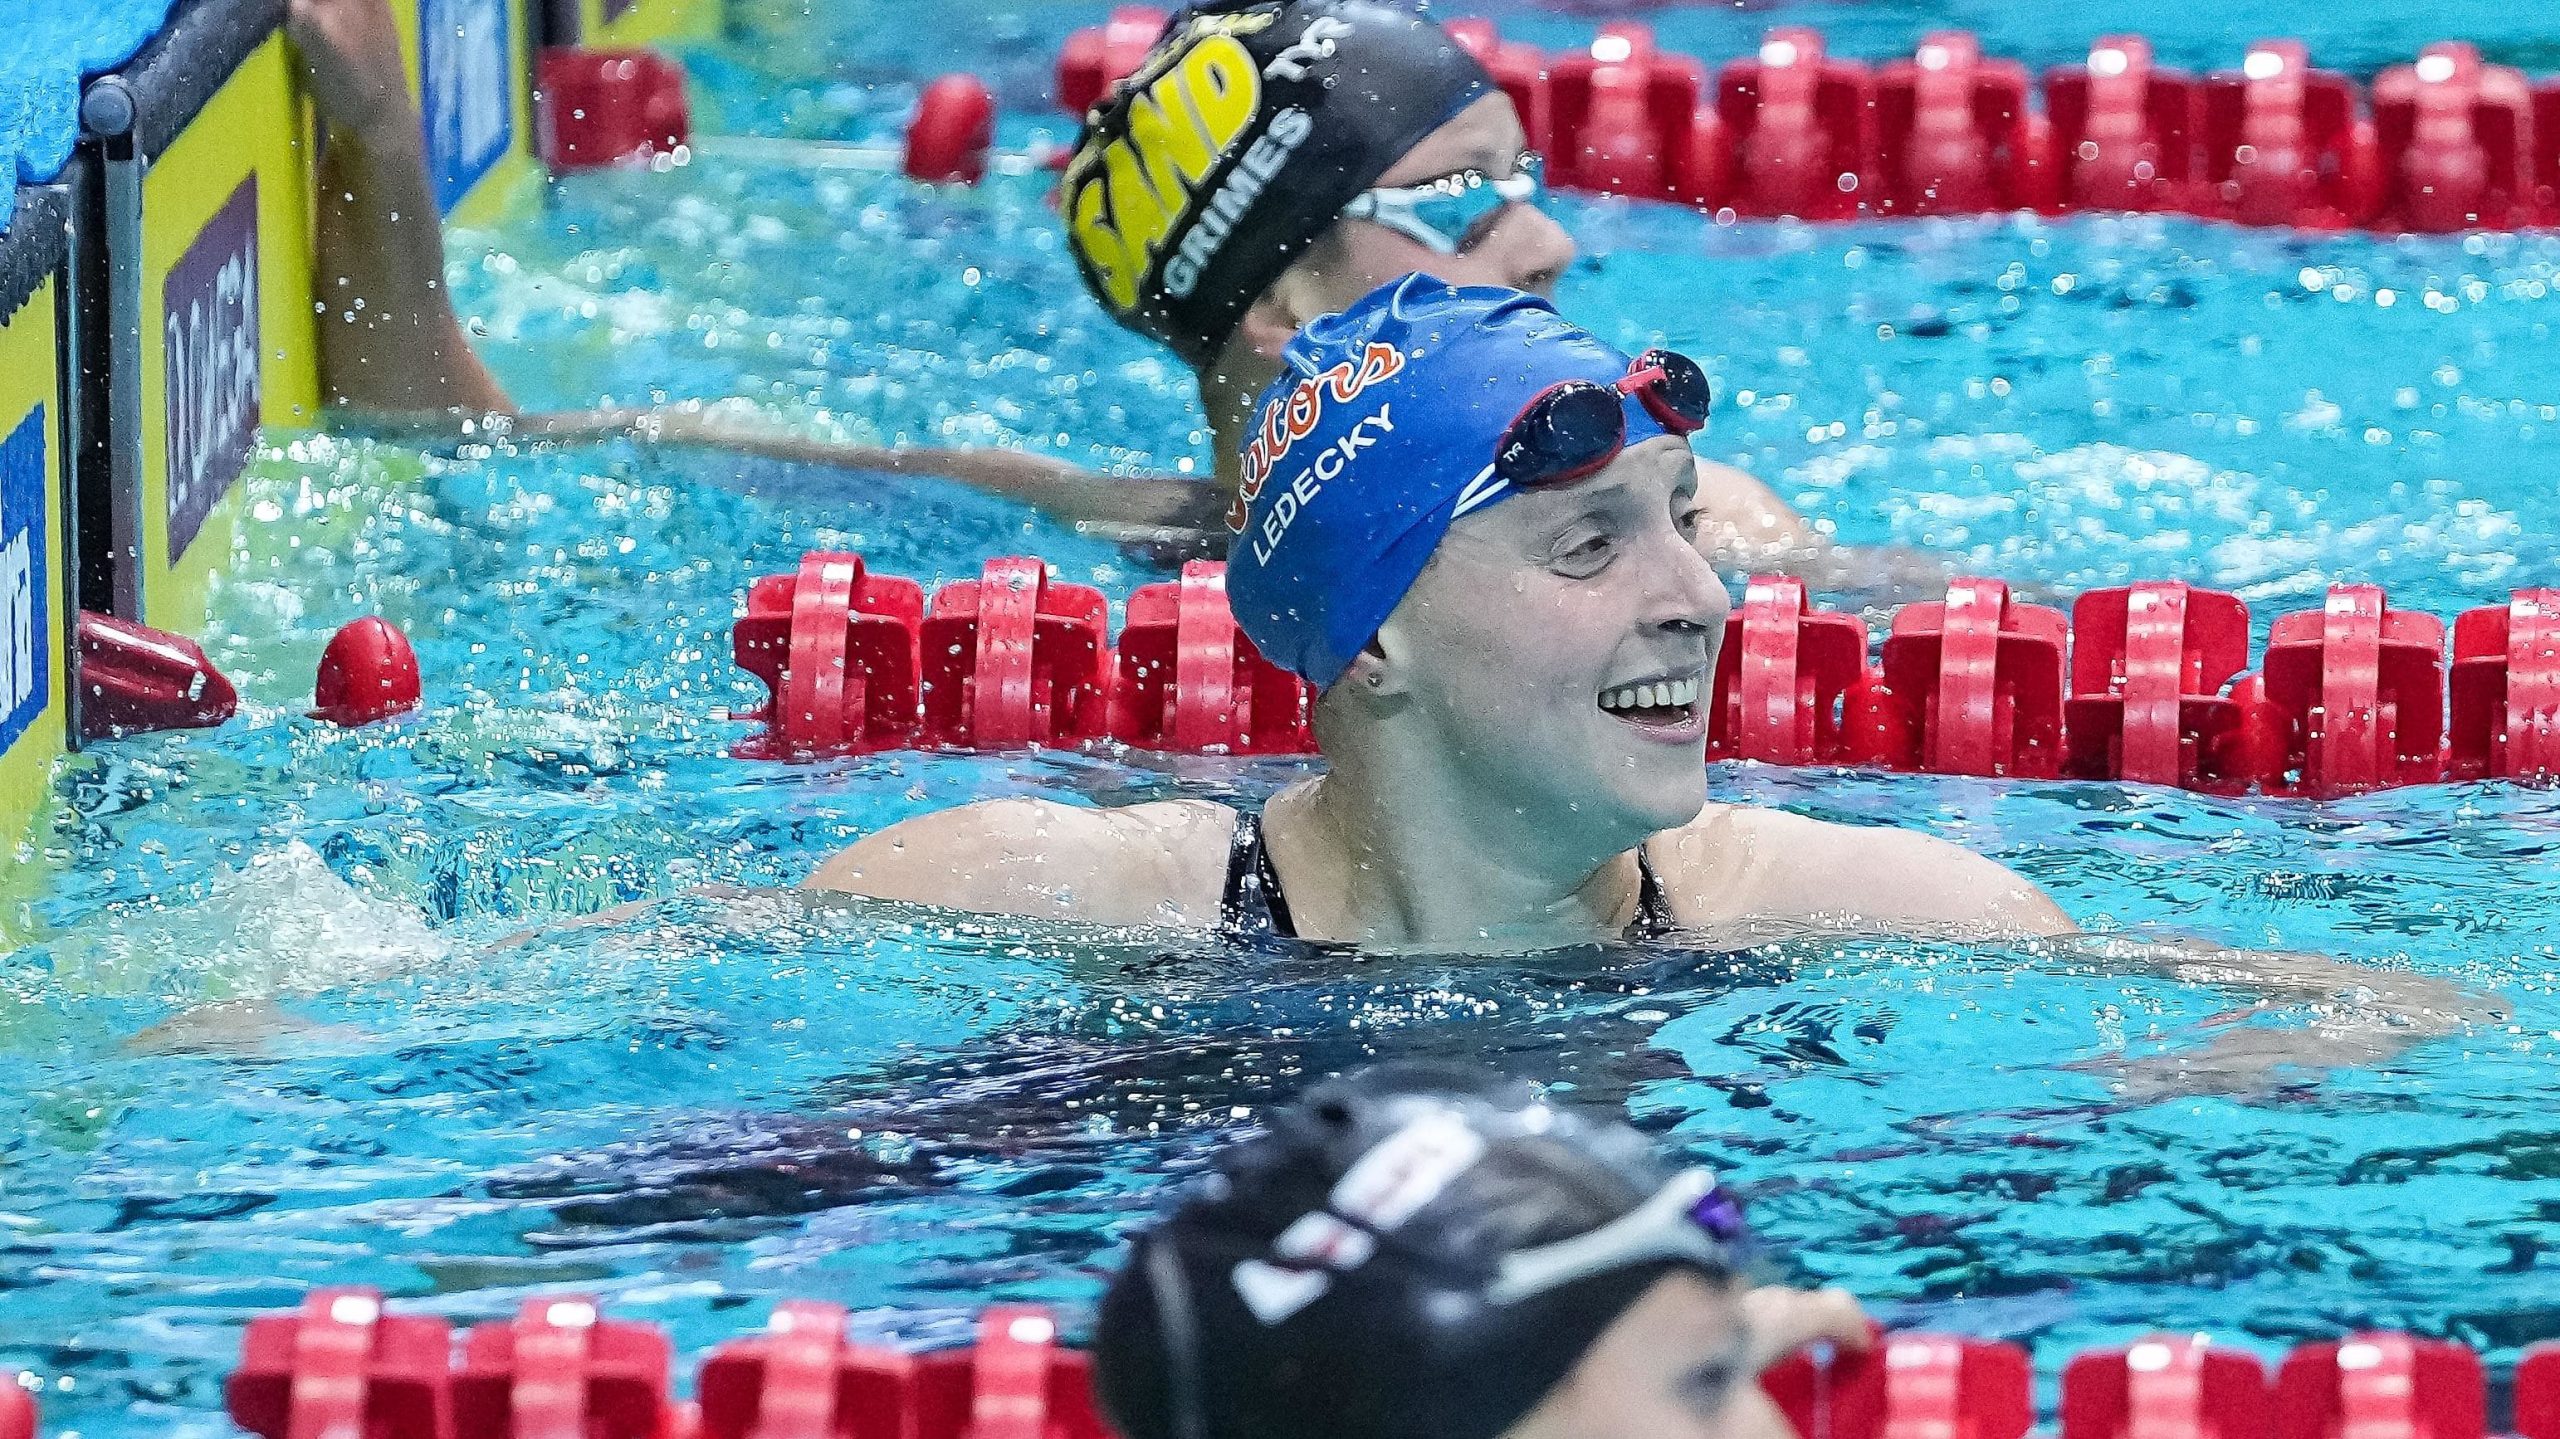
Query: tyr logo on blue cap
{"x": 1384, "y": 418}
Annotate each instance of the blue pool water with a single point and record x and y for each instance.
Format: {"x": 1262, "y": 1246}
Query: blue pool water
{"x": 701, "y": 1112}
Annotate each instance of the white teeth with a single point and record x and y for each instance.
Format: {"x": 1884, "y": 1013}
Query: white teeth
{"x": 1674, "y": 694}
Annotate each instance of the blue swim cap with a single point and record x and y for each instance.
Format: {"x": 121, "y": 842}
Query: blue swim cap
{"x": 1378, "y": 435}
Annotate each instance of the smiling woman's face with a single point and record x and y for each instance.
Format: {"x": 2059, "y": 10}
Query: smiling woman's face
{"x": 1673, "y": 1366}
{"x": 1563, "y": 642}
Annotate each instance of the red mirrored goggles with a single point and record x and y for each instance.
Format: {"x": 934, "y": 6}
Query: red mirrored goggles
{"x": 1574, "y": 428}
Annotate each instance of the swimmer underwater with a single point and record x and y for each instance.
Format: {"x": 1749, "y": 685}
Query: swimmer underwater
{"x": 1472, "y": 527}
{"x": 1268, "y": 163}
{"x": 1434, "y": 1252}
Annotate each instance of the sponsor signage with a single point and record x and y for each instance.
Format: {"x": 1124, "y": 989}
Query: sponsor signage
{"x": 26, "y": 623}
{"x": 467, "y": 91}
{"x": 210, "y": 345}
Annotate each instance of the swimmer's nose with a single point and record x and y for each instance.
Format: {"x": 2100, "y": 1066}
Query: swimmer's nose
{"x": 1537, "y": 249}
{"x": 1688, "y": 593}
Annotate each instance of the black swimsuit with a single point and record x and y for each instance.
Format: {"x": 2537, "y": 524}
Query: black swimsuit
{"x": 1254, "y": 905}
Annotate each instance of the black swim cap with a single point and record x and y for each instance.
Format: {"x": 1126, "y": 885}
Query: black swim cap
{"x": 1415, "y": 1252}
{"x": 1201, "y": 177}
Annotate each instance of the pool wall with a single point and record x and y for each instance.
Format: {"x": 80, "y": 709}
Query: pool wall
{"x": 157, "y": 305}
{"x": 35, "y": 723}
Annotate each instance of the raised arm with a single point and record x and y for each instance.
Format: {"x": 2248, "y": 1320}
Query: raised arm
{"x": 389, "y": 342}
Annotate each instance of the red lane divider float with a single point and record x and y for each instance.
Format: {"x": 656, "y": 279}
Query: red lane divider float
{"x": 2123, "y": 131}
{"x": 1792, "y": 685}
{"x": 369, "y": 672}
{"x": 1954, "y": 135}
{"x": 17, "y": 1412}
{"x": 135, "y": 680}
{"x": 2148, "y": 668}
{"x": 2380, "y": 1386}
{"x": 603, "y": 107}
{"x": 1797, "y": 121}
{"x": 2283, "y": 145}
{"x": 2165, "y": 1387}
{"x": 2449, "y": 143}
{"x": 2538, "y": 1393}
{"x": 2505, "y": 690}
{"x": 838, "y": 647}
{"x": 559, "y": 1368}
{"x": 1974, "y": 684}
{"x": 1191, "y": 681}
{"x": 2356, "y": 693}
{"x": 2156, "y": 688}
{"x": 2455, "y": 138}
{"x": 1011, "y": 659}
{"x": 342, "y": 1365}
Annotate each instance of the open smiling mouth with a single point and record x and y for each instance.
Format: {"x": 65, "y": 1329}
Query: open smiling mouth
{"x": 1667, "y": 706}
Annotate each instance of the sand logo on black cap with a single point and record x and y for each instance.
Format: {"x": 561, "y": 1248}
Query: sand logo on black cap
{"x": 1186, "y": 108}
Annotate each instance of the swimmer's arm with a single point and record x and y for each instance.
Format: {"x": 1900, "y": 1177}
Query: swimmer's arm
{"x": 1749, "y": 530}
{"x": 389, "y": 341}
{"x": 1747, "y": 866}
{"x": 2362, "y": 1014}
{"x": 1065, "y": 491}
{"x": 1148, "y": 864}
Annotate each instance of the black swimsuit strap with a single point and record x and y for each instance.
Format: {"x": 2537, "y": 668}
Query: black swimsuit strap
{"x": 1653, "y": 905}
{"x": 1255, "y": 904}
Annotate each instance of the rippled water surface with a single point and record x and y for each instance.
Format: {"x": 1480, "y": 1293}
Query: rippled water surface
{"x": 428, "y": 1079}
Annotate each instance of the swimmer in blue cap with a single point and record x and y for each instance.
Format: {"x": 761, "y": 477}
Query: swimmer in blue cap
{"x": 1433, "y": 1252}
{"x": 1473, "y": 527}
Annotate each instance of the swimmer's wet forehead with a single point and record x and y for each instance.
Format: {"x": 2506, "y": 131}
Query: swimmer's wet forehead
{"x": 1637, "y": 483}
{"x": 1484, "y": 136}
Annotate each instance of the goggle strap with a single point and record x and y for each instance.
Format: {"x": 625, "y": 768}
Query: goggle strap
{"x": 1661, "y": 1228}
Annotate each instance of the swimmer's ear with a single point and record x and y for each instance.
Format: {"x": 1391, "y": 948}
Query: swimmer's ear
{"x": 1375, "y": 670}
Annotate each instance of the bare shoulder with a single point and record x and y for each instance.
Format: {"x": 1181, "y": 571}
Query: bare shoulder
{"x": 1741, "y": 862}
{"x": 1161, "y": 863}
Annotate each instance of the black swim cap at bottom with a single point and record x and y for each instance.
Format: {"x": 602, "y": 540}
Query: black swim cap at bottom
{"x": 1346, "y": 1276}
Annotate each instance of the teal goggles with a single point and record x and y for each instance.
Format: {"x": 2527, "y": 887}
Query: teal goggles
{"x": 1452, "y": 213}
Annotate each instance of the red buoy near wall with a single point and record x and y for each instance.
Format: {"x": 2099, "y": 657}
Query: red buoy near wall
{"x": 17, "y": 1413}
{"x": 137, "y": 680}
{"x": 954, "y": 128}
{"x": 368, "y": 673}
{"x": 603, "y": 106}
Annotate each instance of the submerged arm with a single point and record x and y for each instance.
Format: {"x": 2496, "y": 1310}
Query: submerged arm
{"x": 1065, "y": 491}
{"x": 2362, "y": 1014}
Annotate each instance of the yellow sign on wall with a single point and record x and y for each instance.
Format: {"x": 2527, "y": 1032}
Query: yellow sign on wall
{"x": 228, "y": 338}
{"x": 619, "y": 23}
{"x": 34, "y": 682}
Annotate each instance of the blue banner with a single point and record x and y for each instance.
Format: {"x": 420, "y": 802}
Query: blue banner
{"x": 467, "y": 85}
{"x": 26, "y": 627}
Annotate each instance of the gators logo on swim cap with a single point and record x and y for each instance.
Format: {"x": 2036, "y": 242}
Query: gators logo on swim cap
{"x": 1237, "y": 142}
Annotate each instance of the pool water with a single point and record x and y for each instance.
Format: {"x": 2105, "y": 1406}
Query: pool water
{"x": 699, "y": 1112}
